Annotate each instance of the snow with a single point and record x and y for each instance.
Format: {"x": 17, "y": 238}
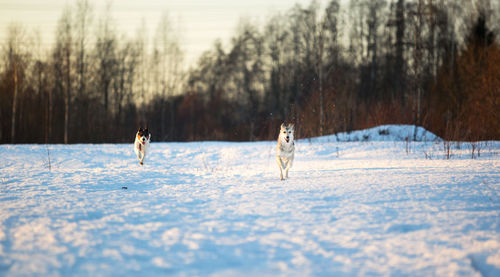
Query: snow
{"x": 385, "y": 206}
{"x": 383, "y": 133}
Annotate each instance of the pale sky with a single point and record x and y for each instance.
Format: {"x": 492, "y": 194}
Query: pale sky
{"x": 200, "y": 22}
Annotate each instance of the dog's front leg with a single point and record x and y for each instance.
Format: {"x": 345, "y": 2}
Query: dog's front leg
{"x": 140, "y": 156}
{"x": 142, "y": 159}
{"x": 288, "y": 166}
{"x": 280, "y": 165}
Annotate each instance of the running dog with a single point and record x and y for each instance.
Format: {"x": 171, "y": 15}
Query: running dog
{"x": 141, "y": 144}
{"x": 285, "y": 149}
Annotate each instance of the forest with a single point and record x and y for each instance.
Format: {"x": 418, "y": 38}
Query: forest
{"x": 328, "y": 68}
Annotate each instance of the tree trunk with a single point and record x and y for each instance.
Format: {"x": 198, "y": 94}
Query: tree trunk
{"x": 320, "y": 79}
{"x": 418, "y": 65}
{"x": 14, "y": 107}
{"x": 67, "y": 99}
{"x": 321, "y": 104}
{"x": 49, "y": 118}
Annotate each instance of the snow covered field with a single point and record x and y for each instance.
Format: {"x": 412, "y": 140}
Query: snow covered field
{"x": 375, "y": 207}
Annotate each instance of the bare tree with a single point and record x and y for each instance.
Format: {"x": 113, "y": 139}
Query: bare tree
{"x": 83, "y": 20}
{"x": 396, "y": 62}
{"x": 142, "y": 84}
{"x": 245, "y": 60}
{"x": 167, "y": 57}
{"x": 63, "y": 55}
{"x": 418, "y": 13}
{"x": 40, "y": 80}
{"x": 276, "y": 38}
{"x": 106, "y": 45}
{"x": 16, "y": 58}
{"x": 126, "y": 65}
{"x": 314, "y": 40}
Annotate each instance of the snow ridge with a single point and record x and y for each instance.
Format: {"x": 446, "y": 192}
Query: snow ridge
{"x": 383, "y": 133}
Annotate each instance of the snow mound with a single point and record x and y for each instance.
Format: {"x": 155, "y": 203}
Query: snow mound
{"x": 383, "y": 133}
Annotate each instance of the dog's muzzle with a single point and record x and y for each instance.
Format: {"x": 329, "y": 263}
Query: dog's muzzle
{"x": 287, "y": 139}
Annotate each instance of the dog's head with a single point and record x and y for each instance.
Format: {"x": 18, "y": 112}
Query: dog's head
{"x": 286, "y": 133}
{"x": 143, "y": 135}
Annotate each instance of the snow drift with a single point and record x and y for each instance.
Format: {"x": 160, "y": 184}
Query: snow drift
{"x": 383, "y": 133}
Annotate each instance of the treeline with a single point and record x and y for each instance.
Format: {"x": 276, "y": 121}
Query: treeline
{"x": 93, "y": 85}
{"x": 327, "y": 68}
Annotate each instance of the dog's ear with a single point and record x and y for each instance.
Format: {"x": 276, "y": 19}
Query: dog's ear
{"x": 282, "y": 126}
{"x": 291, "y": 125}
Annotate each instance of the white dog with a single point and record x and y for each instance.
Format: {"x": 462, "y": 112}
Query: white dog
{"x": 285, "y": 149}
{"x": 141, "y": 144}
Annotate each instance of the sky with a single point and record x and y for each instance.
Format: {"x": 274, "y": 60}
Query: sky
{"x": 199, "y": 22}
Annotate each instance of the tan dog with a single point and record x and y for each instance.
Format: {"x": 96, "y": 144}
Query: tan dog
{"x": 285, "y": 149}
